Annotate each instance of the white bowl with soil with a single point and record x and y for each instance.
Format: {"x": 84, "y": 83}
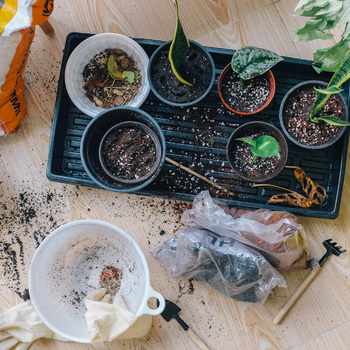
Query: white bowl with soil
{"x": 198, "y": 68}
{"x": 239, "y": 153}
{"x": 256, "y": 94}
{"x": 68, "y": 265}
{"x": 294, "y": 115}
{"x": 132, "y": 164}
{"x": 88, "y": 83}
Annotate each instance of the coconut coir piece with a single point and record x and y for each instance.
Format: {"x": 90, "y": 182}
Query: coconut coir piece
{"x": 111, "y": 279}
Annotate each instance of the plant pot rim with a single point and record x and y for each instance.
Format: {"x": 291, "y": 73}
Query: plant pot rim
{"x": 147, "y": 130}
{"x": 286, "y": 96}
{"x": 185, "y": 104}
{"x": 92, "y": 129}
{"x": 272, "y": 82}
{"x": 281, "y": 141}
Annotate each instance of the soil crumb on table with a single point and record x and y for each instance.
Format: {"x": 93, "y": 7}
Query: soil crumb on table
{"x": 111, "y": 279}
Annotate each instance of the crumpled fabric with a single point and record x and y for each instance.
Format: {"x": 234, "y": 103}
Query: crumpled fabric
{"x": 107, "y": 322}
{"x": 278, "y": 236}
{"x": 20, "y": 326}
{"x": 224, "y": 264}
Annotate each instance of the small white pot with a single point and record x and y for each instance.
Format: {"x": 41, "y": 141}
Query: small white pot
{"x": 68, "y": 264}
{"x": 82, "y": 55}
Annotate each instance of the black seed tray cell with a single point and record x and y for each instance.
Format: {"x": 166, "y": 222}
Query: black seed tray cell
{"x": 196, "y": 137}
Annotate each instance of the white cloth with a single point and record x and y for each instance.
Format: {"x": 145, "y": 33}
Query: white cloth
{"x": 20, "y": 326}
{"x": 107, "y": 322}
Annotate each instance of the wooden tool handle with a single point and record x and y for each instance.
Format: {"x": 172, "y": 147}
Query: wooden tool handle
{"x": 195, "y": 338}
{"x": 296, "y": 295}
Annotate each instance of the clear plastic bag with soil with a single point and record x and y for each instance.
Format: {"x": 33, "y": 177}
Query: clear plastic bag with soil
{"x": 196, "y": 68}
{"x": 129, "y": 153}
{"x": 101, "y": 88}
{"x": 249, "y": 97}
{"x": 222, "y": 263}
{"x": 296, "y": 116}
{"x": 242, "y": 155}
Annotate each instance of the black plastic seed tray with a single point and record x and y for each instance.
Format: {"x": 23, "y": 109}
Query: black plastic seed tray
{"x": 197, "y": 136}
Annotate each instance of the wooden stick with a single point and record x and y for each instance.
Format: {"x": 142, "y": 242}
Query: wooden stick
{"x": 199, "y": 176}
{"x": 197, "y": 341}
{"x": 46, "y": 27}
{"x": 297, "y": 294}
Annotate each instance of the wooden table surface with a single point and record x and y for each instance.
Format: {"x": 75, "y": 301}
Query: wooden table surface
{"x": 31, "y": 206}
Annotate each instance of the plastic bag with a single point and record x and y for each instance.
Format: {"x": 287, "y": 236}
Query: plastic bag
{"x": 230, "y": 267}
{"x": 276, "y": 235}
{"x": 17, "y": 29}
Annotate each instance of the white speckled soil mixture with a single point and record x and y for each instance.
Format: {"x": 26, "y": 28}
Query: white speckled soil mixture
{"x": 296, "y": 117}
{"x": 245, "y": 99}
{"x": 242, "y": 154}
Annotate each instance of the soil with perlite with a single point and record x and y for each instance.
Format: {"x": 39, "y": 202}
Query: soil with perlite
{"x": 195, "y": 68}
{"x": 248, "y": 97}
{"x": 129, "y": 153}
{"x": 242, "y": 156}
{"x": 296, "y": 117}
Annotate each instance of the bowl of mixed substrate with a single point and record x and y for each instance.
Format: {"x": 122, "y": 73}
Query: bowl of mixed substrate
{"x": 105, "y": 71}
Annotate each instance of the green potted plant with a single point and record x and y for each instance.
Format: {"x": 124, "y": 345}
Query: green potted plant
{"x": 257, "y": 151}
{"x": 246, "y": 85}
{"x": 314, "y": 114}
{"x": 181, "y": 72}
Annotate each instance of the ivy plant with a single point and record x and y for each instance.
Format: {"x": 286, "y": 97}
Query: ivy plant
{"x": 265, "y": 146}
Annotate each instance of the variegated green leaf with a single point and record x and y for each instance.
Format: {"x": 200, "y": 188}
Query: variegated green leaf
{"x": 321, "y": 99}
{"x": 311, "y": 31}
{"x": 344, "y": 14}
{"x": 249, "y": 62}
{"x": 332, "y": 120}
{"x": 266, "y": 146}
{"x": 303, "y": 4}
{"x": 250, "y": 141}
{"x": 329, "y": 90}
{"x": 342, "y": 73}
{"x": 178, "y": 47}
{"x": 330, "y": 11}
{"x": 346, "y": 31}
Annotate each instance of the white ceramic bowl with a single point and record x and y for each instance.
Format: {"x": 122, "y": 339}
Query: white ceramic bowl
{"x": 85, "y": 51}
{"x": 68, "y": 264}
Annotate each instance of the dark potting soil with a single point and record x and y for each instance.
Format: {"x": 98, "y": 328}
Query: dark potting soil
{"x": 296, "y": 117}
{"x": 242, "y": 155}
{"x": 129, "y": 153}
{"x": 249, "y": 97}
{"x": 196, "y": 69}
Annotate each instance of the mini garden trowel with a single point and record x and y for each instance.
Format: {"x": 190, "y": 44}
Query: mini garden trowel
{"x": 171, "y": 311}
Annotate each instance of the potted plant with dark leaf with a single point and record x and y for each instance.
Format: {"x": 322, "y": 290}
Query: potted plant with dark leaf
{"x": 246, "y": 85}
{"x": 313, "y": 114}
{"x": 181, "y": 72}
{"x": 257, "y": 151}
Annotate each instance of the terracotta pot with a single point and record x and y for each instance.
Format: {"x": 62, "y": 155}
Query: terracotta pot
{"x": 281, "y": 112}
{"x": 271, "y": 78}
{"x": 274, "y": 132}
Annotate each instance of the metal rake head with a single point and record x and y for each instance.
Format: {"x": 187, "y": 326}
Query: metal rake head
{"x": 331, "y": 250}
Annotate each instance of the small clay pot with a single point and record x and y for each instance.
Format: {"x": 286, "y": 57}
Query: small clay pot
{"x": 129, "y": 125}
{"x": 240, "y": 132}
{"x": 227, "y": 70}
{"x": 153, "y": 79}
{"x": 282, "y": 114}
{"x": 91, "y": 141}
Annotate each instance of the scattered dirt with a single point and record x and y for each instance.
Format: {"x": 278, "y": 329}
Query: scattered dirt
{"x": 249, "y": 97}
{"x": 242, "y": 154}
{"x": 196, "y": 69}
{"x": 101, "y": 88}
{"x": 111, "y": 279}
{"x": 296, "y": 117}
{"x": 129, "y": 153}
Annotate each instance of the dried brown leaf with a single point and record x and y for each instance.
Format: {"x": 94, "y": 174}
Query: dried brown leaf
{"x": 292, "y": 198}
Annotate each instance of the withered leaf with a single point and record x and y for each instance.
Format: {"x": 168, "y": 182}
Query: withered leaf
{"x": 312, "y": 189}
{"x": 292, "y": 198}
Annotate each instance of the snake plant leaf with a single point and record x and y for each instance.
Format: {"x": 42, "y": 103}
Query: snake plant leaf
{"x": 178, "y": 48}
{"x": 266, "y": 146}
{"x": 321, "y": 99}
{"x": 128, "y": 76}
{"x": 330, "y": 119}
{"x": 250, "y": 141}
{"x": 329, "y": 90}
{"x": 342, "y": 74}
{"x": 249, "y": 62}
{"x": 113, "y": 69}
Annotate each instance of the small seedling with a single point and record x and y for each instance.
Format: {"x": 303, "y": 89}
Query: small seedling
{"x": 250, "y": 62}
{"x": 265, "y": 146}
